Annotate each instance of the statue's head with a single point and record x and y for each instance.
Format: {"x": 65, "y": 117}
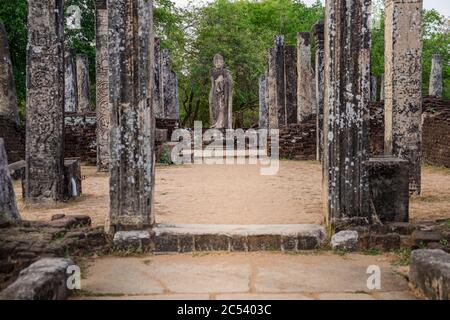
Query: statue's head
{"x": 218, "y": 61}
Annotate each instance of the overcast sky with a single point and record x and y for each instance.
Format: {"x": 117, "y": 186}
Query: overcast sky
{"x": 443, "y": 6}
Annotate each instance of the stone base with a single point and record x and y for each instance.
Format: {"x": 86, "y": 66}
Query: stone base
{"x": 135, "y": 241}
{"x": 72, "y": 176}
{"x": 17, "y": 170}
{"x": 203, "y": 237}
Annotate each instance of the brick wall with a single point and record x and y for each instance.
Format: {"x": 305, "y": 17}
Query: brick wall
{"x": 80, "y": 137}
{"x": 376, "y": 134}
{"x": 14, "y": 136}
{"x": 298, "y": 140}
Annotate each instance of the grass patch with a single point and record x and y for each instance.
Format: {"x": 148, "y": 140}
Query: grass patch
{"x": 402, "y": 257}
{"x": 87, "y": 293}
{"x": 371, "y": 252}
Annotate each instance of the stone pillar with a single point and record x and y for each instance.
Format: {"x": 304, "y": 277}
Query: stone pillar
{"x": 306, "y": 85}
{"x": 276, "y": 84}
{"x": 382, "y": 88}
{"x": 346, "y": 111}
{"x": 102, "y": 92}
{"x": 263, "y": 112}
{"x": 373, "y": 88}
{"x": 44, "y": 172}
{"x": 221, "y": 96}
{"x": 132, "y": 154}
{"x": 290, "y": 90}
{"x": 158, "y": 106}
{"x": 8, "y": 97}
{"x": 403, "y": 84}
{"x": 8, "y": 206}
{"x": 435, "y": 89}
{"x": 70, "y": 80}
{"x": 83, "y": 83}
{"x": 169, "y": 87}
{"x": 318, "y": 31}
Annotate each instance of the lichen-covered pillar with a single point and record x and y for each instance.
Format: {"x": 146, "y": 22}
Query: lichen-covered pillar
{"x": 403, "y": 84}
{"x": 290, "y": 90}
{"x": 435, "y": 88}
{"x": 8, "y": 97}
{"x": 346, "y": 111}
{"x": 102, "y": 92}
{"x": 263, "y": 112}
{"x": 132, "y": 160}
{"x": 8, "y": 206}
{"x": 70, "y": 80}
{"x": 306, "y": 90}
{"x": 318, "y": 31}
{"x": 158, "y": 105}
{"x": 276, "y": 84}
{"x": 83, "y": 83}
{"x": 44, "y": 174}
{"x": 373, "y": 88}
{"x": 382, "y": 88}
{"x": 169, "y": 87}
{"x": 221, "y": 96}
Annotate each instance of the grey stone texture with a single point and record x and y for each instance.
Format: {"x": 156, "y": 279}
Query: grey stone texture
{"x": 345, "y": 240}
{"x": 221, "y": 95}
{"x": 382, "y": 88}
{"x": 435, "y": 88}
{"x": 158, "y": 105}
{"x": 83, "y": 83}
{"x": 318, "y": 32}
{"x": 403, "y": 84}
{"x": 102, "y": 91}
{"x": 429, "y": 273}
{"x": 8, "y": 205}
{"x": 138, "y": 241}
{"x": 70, "y": 82}
{"x": 373, "y": 88}
{"x": 132, "y": 123}
{"x": 389, "y": 188}
{"x": 45, "y": 102}
{"x": 346, "y": 112}
{"x": 169, "y": 87}
{"x": 306, "y": 89}
{"x": 8, "y": 97}
{"x": 263, "y": 97}
{"x": 45, "y": 279}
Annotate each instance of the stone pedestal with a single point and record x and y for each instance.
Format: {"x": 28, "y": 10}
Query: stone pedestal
{"x": 403, "y": 84}
{"x": 102, "y": 93}
{"x": 83, "y": 84}
{"x": 346, "y": 111}
{"x": 8, "y": 98}
{"x": 132, "y": 123}
{"x": 221, "y": 96}
{"x": 70, "y": 80}
{"x": 45, "y": 102}
{"x": 306, "y": 90}
{"x": 8, "y": 206}
{"x": 263, "y": 112}
{"x": 389, "y": 188}
{"x": 435, "y": 89}
{"x": 318, "y": 32}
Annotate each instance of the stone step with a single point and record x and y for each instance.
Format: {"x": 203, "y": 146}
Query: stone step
{"x": 212, "y": 237}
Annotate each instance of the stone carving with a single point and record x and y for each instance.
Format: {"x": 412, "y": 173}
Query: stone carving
{"x": 435, "y": 89}
{"x": 71, "y": 88}
{"x": 346, "y": 111}
{"x": 403, "y": 84}
{"x": 306, "y": 88}
{"x": 169, "y": 87}
{"x": 102, "y": 92}
{"x": 8, "y": 205}
{"x": 263, "y": 112}
{"x": 45, "y": 102}
{"x": 221, "y": 95}
{"x": 83, "y": 84}
{"x": 8, "y": 98}
{"x": 318, "y": 32}
{"x": 132, "y": 123}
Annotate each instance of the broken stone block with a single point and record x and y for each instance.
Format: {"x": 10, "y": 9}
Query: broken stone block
{"x": 385, "y": 242}
{"x": 345, "y": 240}
{"x": 161, "y": 135}
{"x": 132, "y": 240}
{"x": 8, "y": 206}
{"x": 72, "y": 176}
{"x": 45, "y": 279}
{"x": 421, "y": 237}
{"x": 429, "y": 273}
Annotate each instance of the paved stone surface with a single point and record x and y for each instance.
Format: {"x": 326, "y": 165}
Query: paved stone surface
{"x": 249, "y": 276}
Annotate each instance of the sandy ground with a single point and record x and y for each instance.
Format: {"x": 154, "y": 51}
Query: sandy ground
{"x": 238, "y": 194}
{"x": 222, "y": 276}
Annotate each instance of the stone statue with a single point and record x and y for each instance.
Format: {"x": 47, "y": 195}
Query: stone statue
{"x": 221, "y": 96}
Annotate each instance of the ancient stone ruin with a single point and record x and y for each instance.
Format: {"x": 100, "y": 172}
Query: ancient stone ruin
{"x": 436, "y": 77}
{"x": 318, "y": 32}
{"x": 263, "y": 97}
{"x": 306, "y": 90}
{"x": 8, "y": 206}
{"x": 70, "y": 80}
{"x": 83, "y": 83}
{"x": 221, "y": 95}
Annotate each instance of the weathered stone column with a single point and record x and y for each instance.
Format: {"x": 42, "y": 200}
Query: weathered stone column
{"x": 221, "y": 96}
{"x": 84, "y": 96}
{"x": 45, "y": 102}
{"x": 403, "y": 84}
{"x": 291, "y": 80}
{"x": 8, "y": 206}
{"x": 276, "y": 84}
{"x": 132, "y": 160}
{"x": 158, "y": 105}
{"x": 318, "y": 31}
{"x": 102, "y": 92}
{"x": 306, "y": 85}
{"x": 8, "y": 97}
{"x": 435, "y": 89}
{"x": 70, "y": 80}
{"x": 169, "y": 87}
{"x": 382, "y": 88}
{"x": 263, "y": 112}
{"x": 346, "y": 111}
{"x": 373, "y": 88}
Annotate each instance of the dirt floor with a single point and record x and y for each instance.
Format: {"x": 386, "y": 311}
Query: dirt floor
{"x": 219, "y": 194}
